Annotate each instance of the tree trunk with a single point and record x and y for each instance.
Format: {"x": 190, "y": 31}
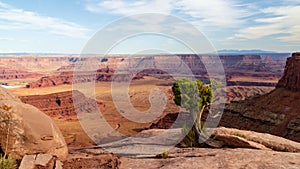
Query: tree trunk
{"x": 201, "y": 136}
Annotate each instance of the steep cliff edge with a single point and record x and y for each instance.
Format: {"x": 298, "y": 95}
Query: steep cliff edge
{"x": 60, "y": 104}
{"x": 276, "y": 112}
{"x": 291, "y": 77}
{"x": 235, "y": 66}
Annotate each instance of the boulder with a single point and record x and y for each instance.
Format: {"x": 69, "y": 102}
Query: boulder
{"x": 26, "y": 130}
{"x": 251, "y": 139}
{"x": 40, "y": 161}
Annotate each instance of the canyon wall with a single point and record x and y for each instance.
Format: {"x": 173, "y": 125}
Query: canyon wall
{"x": 291, "y": 77}
{"x": 248, "y": 66}
{"x": 7, "y": 73}
{"x": 276, "y": 112}
{"x": 61, "y": 105}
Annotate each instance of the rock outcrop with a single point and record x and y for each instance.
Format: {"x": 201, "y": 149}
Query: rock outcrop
{"x": 234, "y": 66}
{"x": 60, "y": 104}
{"x": 251, "y": 150}
{"x": 250, "y": 139}
{"x": 276, "y": 112}
{"x": 83, "y": 158}
{"x": 101, "y": 75}
{"x": 150, "y": 143}
{"x": 216, "y": 159}
{"x": 36, "y": 63}
{"x": 26, "y": 130}
{"x": 40, "y": 161}
{"x": 291, "y": 77}
{"x": 237, "y": 93}
{"x": 7, "y": 73}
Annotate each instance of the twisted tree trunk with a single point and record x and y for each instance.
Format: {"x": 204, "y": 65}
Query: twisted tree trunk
{"x": 201, "y": 136}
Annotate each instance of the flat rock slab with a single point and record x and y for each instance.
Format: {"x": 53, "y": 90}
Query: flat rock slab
{"x": 83, "y": 158}
{"x": 267, "y": 140}
{"x": 150, "y": 143}
{"x": 216, "y": 158}
{"x": 44, "y": 160}
{"x": 40, "y": 161}
{"x": 28, "y": 162}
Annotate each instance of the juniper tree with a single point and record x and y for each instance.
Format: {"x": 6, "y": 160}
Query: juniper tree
{"x": 195, "y": 97}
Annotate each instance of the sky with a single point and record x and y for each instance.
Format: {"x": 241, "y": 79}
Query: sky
{"x": 56, "y": 26}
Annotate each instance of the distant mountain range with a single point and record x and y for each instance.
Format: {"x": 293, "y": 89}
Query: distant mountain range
{"x": 224, "y": 51}
{"x": 255, "y": 51}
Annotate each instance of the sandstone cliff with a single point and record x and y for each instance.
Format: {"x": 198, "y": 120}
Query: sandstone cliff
{"x": 291, "y": 77}
{"x": 61, "y": 104}
{"x": 26, "y": 130}
{"x": 234, "y": 65}
{"x": 101, "y": 75}
{"x": 7, "y": 73}
{"x": 276, "y": 112}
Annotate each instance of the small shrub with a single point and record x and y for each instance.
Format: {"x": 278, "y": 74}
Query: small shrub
{"x": 165, "y": 154}
{"x": 240, "y": 135}
{"x": 7, "y": 162}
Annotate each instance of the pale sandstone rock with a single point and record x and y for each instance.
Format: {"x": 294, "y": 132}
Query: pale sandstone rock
{"x": 44, "y": 161}
{"x": 30, "y": 130}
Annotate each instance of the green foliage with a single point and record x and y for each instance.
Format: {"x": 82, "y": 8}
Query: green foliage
{"x": 239, "y": 134}
{"x": 195, "y": 97}
{"x": 191, "y": 95}
{"x": 165, "y": 154}
{"x": 214, "y": 84}
{"x": 8, "y": 109}
{"x": 7, "y": 162}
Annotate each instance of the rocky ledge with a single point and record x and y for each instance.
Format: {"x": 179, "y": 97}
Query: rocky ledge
{"x": 291, "y": 77}
{"x": 241, "y": 149}
{"x": 276, "y": 112}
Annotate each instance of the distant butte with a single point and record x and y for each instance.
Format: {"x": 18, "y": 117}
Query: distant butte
{"x": 276, "y": 112}
{"x": 291, "y": 77}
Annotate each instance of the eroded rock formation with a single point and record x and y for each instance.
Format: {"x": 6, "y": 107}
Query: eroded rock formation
{"x": 101, "y": 75}
{"x": 291, "y": 77}
{"x": 7, "y": 73}
{"x": 61, "y": 104}
{"x": 26, "y": 130}
{"x": 163, "y": 66}
{"x": 276, "y": 112}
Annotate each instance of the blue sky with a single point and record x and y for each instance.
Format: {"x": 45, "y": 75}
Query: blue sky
{"x": 56, "y": 26}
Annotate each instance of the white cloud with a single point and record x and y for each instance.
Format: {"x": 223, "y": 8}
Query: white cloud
{"x": 202, "y": 12}
{"x": 7, "y": 39}
{"x": 12, "y": 18}
{"x": 131, "y": 7}
{"x": 284, "y": 23}
{"x": 214, "y": 12}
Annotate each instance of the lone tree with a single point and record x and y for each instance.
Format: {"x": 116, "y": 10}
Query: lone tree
{"x": 195, "y": 97}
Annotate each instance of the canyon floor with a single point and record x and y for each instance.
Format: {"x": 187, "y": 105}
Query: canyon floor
{"x": 139, "y": 96}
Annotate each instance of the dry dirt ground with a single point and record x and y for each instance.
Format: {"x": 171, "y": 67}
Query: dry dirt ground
{"x": 75, "y": 137}
{"x": 139, "y": 97}
{"x": 139, "y": 94}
